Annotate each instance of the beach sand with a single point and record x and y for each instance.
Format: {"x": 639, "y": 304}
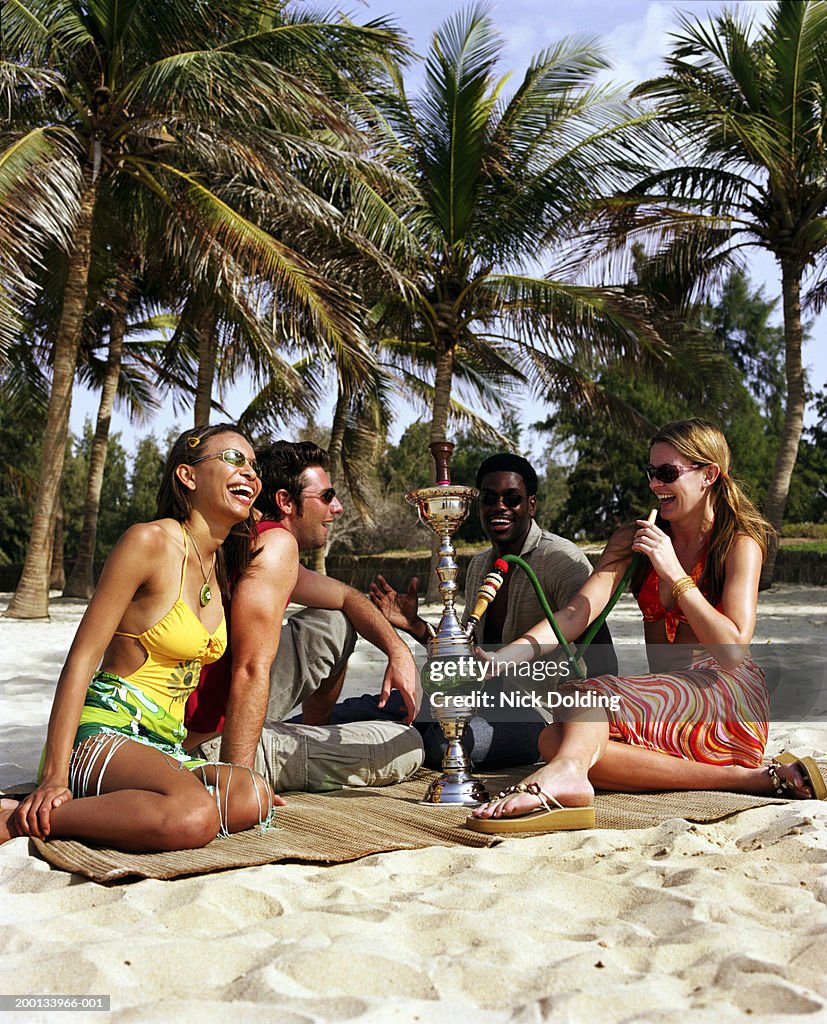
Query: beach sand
{"x": 721, "y": 922}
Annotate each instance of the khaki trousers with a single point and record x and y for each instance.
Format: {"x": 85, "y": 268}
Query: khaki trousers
{"x": 322, "y": 758}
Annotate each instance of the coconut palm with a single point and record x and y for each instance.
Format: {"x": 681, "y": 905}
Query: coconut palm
{"x": 496, "y": 185}
{"x": 747, "y": 111}
{"x": 121, "y": 373}
{"x": 363, "y": 415}
{"x": 151, "y": 99}
{"x": 123, "y": 369}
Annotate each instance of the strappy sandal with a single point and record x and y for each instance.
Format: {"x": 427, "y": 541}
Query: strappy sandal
{"x": 808, "y": 769}
{"x": 547, "y": 818}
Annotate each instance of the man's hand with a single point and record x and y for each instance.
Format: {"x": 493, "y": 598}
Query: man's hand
{"x": 399, "y": 609}
{"x": 401, "y": 674}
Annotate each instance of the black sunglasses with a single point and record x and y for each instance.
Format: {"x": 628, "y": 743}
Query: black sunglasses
{"x": 511, "y": 499}
{"x": 233, "y": 457}
{"x": 327, "y": 495}
{"x": 669, "y": 473}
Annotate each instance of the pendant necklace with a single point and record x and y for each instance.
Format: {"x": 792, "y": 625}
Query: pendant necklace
{"x": 205, "y": 594}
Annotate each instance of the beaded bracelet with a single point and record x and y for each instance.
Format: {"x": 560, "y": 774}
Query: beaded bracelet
{"x": 681, "y": 585}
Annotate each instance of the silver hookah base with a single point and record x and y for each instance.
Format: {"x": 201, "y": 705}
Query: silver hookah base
{"x": 456, "y": 785}
{"x": 456, "y": 789}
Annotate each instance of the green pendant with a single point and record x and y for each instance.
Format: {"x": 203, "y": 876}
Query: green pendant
{"x": 205, "y": 596}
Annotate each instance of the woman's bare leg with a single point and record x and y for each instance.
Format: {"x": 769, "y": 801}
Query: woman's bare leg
{"x": 7, "y": 809}
{"x": 571, "y": 749}
{"x": 172, "y": 809}
{"x": 626, "y": 768}
{"x": 147, "y": 802}
{"x": 244, "y": 797}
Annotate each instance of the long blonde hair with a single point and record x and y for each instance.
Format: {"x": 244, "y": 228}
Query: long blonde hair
{"x": 702, "y": 442}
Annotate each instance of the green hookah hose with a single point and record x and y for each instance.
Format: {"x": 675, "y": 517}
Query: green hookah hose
{"x": 575, "y": 656}
{"x": 571, "y": 654}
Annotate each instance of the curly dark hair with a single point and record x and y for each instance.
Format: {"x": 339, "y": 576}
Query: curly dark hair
{"x": 282, "y": 465}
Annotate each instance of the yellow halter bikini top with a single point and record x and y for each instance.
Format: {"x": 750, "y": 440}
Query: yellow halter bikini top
{"x": 176, "y": 648}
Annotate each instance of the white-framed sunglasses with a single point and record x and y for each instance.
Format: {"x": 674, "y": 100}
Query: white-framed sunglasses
{"x": 233, "y": 457}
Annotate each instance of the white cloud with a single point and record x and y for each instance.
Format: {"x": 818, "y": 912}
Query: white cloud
{"x": 636, "y": 48}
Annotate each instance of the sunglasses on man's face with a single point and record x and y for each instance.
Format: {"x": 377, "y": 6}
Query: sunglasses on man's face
{"x": 669, "y": 473}
{"x": 233, "y": 457}
{"x": 327, "y": 495}
{"x": 511, "y": 499}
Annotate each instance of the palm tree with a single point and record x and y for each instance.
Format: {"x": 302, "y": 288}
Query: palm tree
{"x": 24, "y": 395}
{"x": 123, "y": 370}
{"x": 120, "y": 374}
{"x": 151, "y": 99}
{"x": 495, "y": 185}
{"x": 747, "y": 110}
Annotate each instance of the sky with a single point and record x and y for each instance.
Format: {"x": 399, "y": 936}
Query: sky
{"x": 635, "y": 35}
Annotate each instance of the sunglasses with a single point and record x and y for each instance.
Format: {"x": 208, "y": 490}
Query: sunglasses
{"x": 669, "y": 473}
{"x": 327, "y": 495}
{"x": 233, "y": 457}
{"x": 511, "y": 499}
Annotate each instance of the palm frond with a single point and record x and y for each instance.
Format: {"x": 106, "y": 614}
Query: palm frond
{"x": 572, "y": 389}
{"x": 453, "y": 110}
{"x": 285, "y": 395}
{"x": 43, "y": 34}
{"x": 594, "y": 322}
{"x": 206, "y": 84}
{"x": 40, "y": 183}
{"x": 242, "y": 252}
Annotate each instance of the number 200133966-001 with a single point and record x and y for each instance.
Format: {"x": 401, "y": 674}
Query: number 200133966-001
{"x": 54, "y": 1002}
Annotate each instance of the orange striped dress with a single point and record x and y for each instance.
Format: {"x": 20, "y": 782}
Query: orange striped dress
{"x": 704, "y": 713}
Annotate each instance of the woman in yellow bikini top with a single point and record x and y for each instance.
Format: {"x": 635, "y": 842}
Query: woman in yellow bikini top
{"x": 176, "y": 648}
{"x": 148, "y": 703}
{"x": 155, "y": 617}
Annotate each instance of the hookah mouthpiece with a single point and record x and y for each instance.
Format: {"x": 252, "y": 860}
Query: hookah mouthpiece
{"x": 488, "y": 591}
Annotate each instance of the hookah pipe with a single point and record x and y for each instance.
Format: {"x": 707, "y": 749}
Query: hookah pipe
{"x": 488, "y": 591}
{"x": 494, "y": 580}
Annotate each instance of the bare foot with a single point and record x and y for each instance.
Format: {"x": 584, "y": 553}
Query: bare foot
{"x": 799, "y": 786}
{"x": 562, "y": 779}
{"x": 7, "y": 829}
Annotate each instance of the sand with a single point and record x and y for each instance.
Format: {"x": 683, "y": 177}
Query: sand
{"x": 722, "y": 922}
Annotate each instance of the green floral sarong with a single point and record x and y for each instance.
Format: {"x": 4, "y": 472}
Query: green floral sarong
{"x": 114, "y": 706}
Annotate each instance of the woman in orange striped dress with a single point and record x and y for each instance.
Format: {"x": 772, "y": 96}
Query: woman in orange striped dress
{"x": 699, "y": 720}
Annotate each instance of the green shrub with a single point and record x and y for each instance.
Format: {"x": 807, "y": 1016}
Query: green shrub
{"x": 815, "y": 531}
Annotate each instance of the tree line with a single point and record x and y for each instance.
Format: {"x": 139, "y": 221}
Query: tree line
{"x": 590, "y": 473}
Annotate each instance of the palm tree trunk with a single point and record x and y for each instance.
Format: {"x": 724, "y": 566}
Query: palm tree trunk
{"x": 443, "y": 380}
{"x": 81, "y": 580}
{"x": 207, "y": 353}
{"x": 57, "y": 575}
{"x": 31, "y": 599}
{"x": 337, "y": 434}
{"x": 442, "y": 393}
{"x": 787, "y": 454}
{"x": 318, "y": 560}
